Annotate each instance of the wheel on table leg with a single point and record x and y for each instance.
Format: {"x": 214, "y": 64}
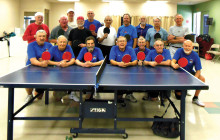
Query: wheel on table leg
{"x": 125, "y": 136}
{"x": 75, "y": 135}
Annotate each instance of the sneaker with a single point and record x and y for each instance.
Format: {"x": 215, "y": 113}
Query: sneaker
{"x": 28, "y": 98}
{"x": 198, "y": 102}
{"x": 73, "y": 96}
{"x": 131, "y": 98}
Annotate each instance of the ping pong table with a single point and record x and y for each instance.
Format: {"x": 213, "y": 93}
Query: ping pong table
{"x": 103, "y": 78}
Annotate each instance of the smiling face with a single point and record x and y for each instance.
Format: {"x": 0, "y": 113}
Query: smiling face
{"x": 63, "y": 22}
{"x": 39, "y": 19}
{"x": 187, "y": 47}
{"x": 90, "y": 44}
{"x": 126, "y": 20}
{"x": 108, "y": 21}
{"x": 159, "y": 45}
{"x": 41, "y": 38}
{"x": 62, "y": 42}
{"x": 90, "y": 15}
{"x": 141, "y": 44}
{"x": 122, "y": 42}
{"x": 157, "y": 22}
{"x": 179, "y": 20}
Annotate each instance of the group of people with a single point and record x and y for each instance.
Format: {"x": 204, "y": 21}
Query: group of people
{"x": 103, "y": 40}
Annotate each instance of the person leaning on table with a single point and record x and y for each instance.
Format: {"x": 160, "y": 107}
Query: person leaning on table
{"x": 34, "y": 51}
{"x": 115, "y": 57}
{"x": 57, "y": 60}
{"x": 193, "y": 61}
{"x": 150, "y": 60}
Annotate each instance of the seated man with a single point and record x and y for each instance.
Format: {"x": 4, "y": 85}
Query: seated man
{"x": 56, "y": 59}
{"x": 150, "y": 60}
{"x": 141, "y": 48}
{"x": 193, "y": 61}
{"x": 115, "y": 57}
{"x": 35, "y": 50}
{"x": 97, "y": 56}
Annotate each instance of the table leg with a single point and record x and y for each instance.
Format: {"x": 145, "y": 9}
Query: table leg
{"x": 10, "y": 113}
{"x": 47, "y": 97}
{"x": 182, "y": 118}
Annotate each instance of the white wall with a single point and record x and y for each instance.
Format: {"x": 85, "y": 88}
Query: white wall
{"x": 9, "y": 11}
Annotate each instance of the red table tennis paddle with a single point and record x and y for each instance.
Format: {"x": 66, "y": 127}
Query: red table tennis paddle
{"x": 46, "y": 55}
{"x": 141, "y": 56}
{"x": 88, "y": 56}
{"x": 126, "y": 58}
{"x": 92, "y": 27}
{"x": 67, "y": 56}
{"x": 159, "y": 58}
{"x": 183, "y": 62}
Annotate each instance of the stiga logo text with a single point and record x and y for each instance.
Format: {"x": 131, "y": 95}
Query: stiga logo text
{"x": 98, "y": 110}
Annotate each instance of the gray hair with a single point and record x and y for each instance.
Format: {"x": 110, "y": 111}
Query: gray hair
{"x": 158, "y": 40}
{"x": 41, "y": 31}
{"x": 62, "y": 36}
{"x": 141, "y": 39}
{"x": 122, "y": 37}
{"x": 108, "y": 17}
{"x": 157, "y": 18}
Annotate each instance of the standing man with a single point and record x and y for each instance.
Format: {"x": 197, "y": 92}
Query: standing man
{"x": 106, "y": 40}
{"x": 115, "y": 57}
{"x": 62, "y": 29}
{"x": 193, "y": 61}
{"x": 156, "y": 29}
{"x": 34, "y": 51}
{"x": 143, "y": 27}
{"x": 177, "y": 34}
{"x": 129, "y": 31}
{"x": 92, "y": 22}
{"x": 70, "y": 15}
{"x": 78, "y": 36}
{"x": 30, "y": 32}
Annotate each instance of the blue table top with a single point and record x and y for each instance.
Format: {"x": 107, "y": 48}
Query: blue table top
{"x": 148, "y": 78}
{"x": 51, "y": 77}
{"x": 112, "y": 78}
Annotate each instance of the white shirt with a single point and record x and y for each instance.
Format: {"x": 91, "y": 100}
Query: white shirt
{"x": 110, "y": 40}
{"x": 72, "y": 24}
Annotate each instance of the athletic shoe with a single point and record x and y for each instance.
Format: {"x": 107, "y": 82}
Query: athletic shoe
{"x": 131, "y": 98}
{"x": 198, "y": 102}
{"x": 73, "y": 96}
{"x": 28, "y": 98}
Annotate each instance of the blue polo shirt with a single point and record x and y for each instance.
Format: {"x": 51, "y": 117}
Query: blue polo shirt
{"x": 35, "y": 51}
{"x": 96, "y": 54}
{"x": 131, "y": 30}
{"x": 150, "y": 35}
{"x": 116, "y": 54}
{"x": 95, "y": 22}
{"x": 56, "y": 54}
{"x": 153, "y": 53}
{"x": 193, "y": 60}
{"x": 141, "y": 31}
{"x": 146, "y": 51}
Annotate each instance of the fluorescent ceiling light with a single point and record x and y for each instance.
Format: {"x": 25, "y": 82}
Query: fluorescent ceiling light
{"x": 69, "y": 0}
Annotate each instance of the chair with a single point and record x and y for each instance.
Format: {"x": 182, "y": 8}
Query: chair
{"x": 215, "y": 49}
{"x": 196, "y": 47}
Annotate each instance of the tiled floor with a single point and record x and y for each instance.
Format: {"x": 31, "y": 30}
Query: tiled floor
{"x": 201, "y": 123}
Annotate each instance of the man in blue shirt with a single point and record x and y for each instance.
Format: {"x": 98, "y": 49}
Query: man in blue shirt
{"x": 34, "y": 51}
{"x": 152, "y": 31}
{"x": 142, "y": 28}
{"x": 141, "y": 48}
{"x": 129, "y": 31}
{"x": 115, "y": 57}
{"x": 97, "y": 56}
{"x": 92, "y": 21}
{"x": 150, "y": 60}
{"x": 57, "y": 60}
{"x": 193, "y": 61}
